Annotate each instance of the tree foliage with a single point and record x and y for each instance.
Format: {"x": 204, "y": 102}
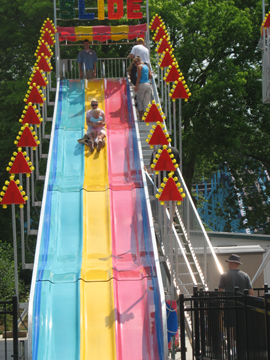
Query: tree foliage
{"x": 225, "y": 123}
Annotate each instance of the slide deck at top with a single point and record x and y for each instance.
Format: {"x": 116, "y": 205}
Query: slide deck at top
{"x": 96, "y": 294}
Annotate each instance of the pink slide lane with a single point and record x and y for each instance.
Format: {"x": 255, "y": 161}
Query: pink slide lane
{"x": 134, "y": 270}
{"x": 123, "y": 173}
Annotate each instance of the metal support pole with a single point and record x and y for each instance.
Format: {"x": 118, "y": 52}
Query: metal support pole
{"x": 22, "y": 230}
{"x": 174, "y": 125}
{"x": 15, "y": 251}
{"x": 32, "y": 178}
{"x": 28, "y": 205}
{"x": 261, "y": 267}
{"x": 166, "y": 103}
{"x": 162, "y": 88}
{"x": 180, "y": 135}
{"x": 39, "y": 134}
{"x": 49, "y": 86}
{"x": 171, "y": 248}
{"x": 169, "y": 106}
{"x": 205, "y": 262}
{"x": 158, "y": 77}
{"x": 44, "y": 115}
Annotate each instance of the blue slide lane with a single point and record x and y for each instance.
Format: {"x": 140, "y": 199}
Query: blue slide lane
{"x": 56, "y": 323}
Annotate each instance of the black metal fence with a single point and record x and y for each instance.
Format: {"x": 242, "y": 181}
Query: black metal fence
{"x": 10, "y": 308}
{"x": 227, "y": 325}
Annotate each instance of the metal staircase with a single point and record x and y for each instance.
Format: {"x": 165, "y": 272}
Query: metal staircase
{"x": 177, "y": 254}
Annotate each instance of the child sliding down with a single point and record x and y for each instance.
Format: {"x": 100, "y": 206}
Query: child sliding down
{"x": 96, "y": 131}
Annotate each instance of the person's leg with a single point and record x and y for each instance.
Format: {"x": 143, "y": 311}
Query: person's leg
{"x": 84, "y": 140}
{"x": 91, "y": 140}
{"x": 140, "y": 95}
{"x": 101, "y": 142}
{"x": 103, "y": 136}
{"x": 147, "y": 96}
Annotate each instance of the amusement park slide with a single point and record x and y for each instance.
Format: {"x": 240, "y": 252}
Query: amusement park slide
{"x": 95, "y": 293}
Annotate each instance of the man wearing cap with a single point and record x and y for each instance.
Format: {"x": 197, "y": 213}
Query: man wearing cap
{"x": 140, "y": 50}
{"x": 235, "y": 277}
{"x": 88, "y": 57}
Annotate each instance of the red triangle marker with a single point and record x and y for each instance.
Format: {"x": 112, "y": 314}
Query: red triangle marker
{"x": 27, "y": 139}
{"x": 164, "y": 162}
{"x": 34, "y": 96}
{"x": 47, "y": 37}
{"x": 167, "y": 60}
{"x": 153, "y": 115}
{"x": 48, "y": 25}
{"x": 158, "y": 137}
{"x": 173, "y": 74}
{"x": 38, "y": 79}
{"x": 31, "y": 117}
{"x": 20, "y": 165}
{"x": 43, "y": 50}
{"x": 43, "y": 64}
{"x": 156, "y": 23}
{"x": 170, "y": 192}
{"x": 12, "y": 195}
{"x": 163, "y": 46}
{"x": 179, "y": 92}
{"x": 159, "y": 35}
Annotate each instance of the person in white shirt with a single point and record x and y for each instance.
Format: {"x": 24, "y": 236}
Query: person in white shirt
{"x": 140, "y": 50}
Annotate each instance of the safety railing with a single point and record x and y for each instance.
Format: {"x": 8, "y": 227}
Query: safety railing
{"x": 227, "y": 325}
{"x": 192, "y": 229}
{"x": 10, "y": 308}
{"x": 105, "y": 68}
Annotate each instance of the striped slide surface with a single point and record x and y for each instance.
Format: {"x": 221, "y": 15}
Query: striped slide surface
{"x": 96, "y": 294}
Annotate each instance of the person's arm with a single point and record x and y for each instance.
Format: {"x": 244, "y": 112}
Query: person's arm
{"x": 221, "y": 286}
{"x": 88, "y": 118}
{"x": 88, "y": 122}
{"x": 95, "y": 70}
{"x": 131, "y": 56}
{"x": 249, "y": 286}
{"x": 150, "y": 74}
{"x": 79, "y": 61}
{"x": 103, "y": 116}
{"x": 139, "y": 75}
{"x": 81, "y": 72}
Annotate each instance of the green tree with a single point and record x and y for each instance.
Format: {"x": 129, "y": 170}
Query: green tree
{"x": 224, "y": 123}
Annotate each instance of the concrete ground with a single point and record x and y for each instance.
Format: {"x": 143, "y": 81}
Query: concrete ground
{"x": 188, "y": 352}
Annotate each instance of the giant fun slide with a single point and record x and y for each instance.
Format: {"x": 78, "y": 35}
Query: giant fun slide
{"x": 95, "y": 291}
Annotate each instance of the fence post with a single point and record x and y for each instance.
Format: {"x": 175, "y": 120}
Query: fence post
{"x": 246, "y": 293}
{"x": 182, "y": 327}
{"x": 267, "y": 320}
{"x": 15, "y": 328}
{"x": 196, "y": 323}
{"x": 202, "y": 324}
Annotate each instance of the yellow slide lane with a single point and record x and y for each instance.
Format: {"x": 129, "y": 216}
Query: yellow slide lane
{"x": 97, "y": 330}
{"x": 95, "y": 168}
